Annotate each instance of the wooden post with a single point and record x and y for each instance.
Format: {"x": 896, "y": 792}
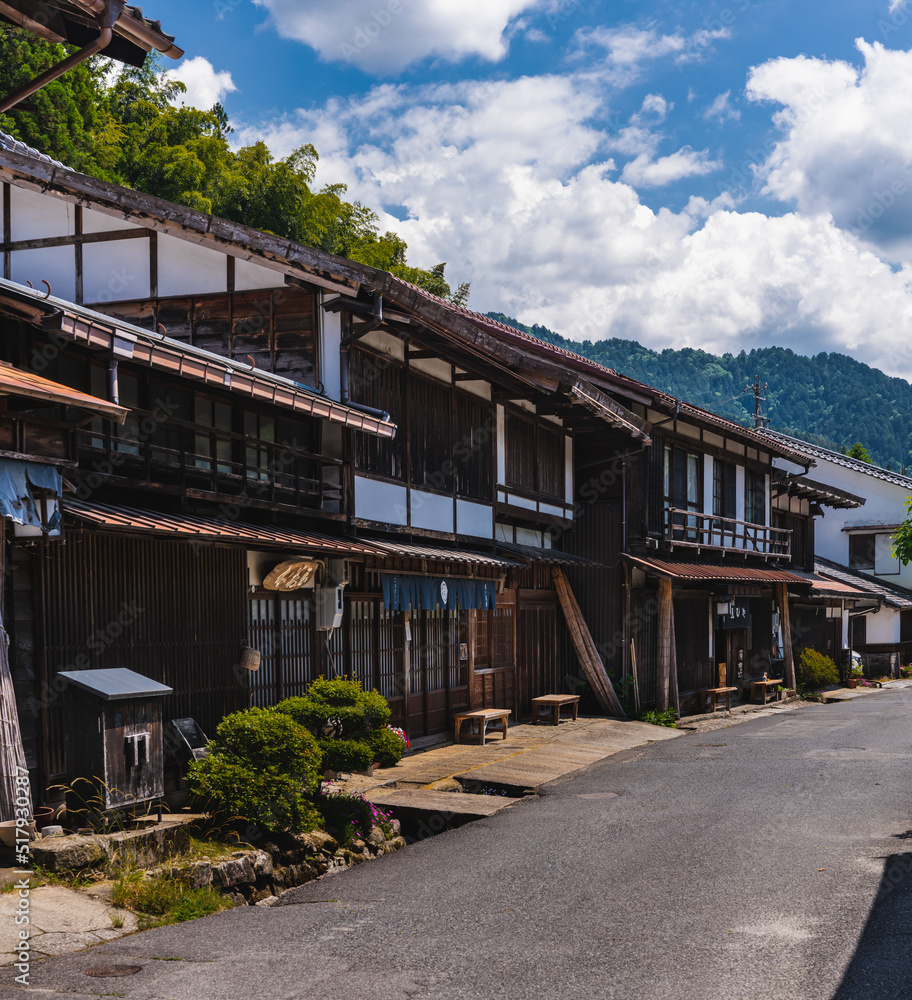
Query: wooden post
{"x": 665, "y": 650}
{"x": 782, "y": 597}
{"x": 636, "y": 680}
{"x": 674, "y": 663}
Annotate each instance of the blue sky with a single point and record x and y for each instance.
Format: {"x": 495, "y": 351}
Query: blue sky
{"x": 720, "y": 175}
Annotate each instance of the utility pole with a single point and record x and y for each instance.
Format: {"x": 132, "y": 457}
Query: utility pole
{"x": 756, "y": 389}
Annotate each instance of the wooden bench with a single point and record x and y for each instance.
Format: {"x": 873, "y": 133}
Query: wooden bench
{"x": 552, "y": 704}
{"x": 483, "y": 717}
{"x": 708, "y": 697}
{"x": 764, "y": 687}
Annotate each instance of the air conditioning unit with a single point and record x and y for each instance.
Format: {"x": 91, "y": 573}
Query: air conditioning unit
{"x": 329, "y": 607}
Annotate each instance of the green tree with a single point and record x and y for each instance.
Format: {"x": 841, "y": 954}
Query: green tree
{"x": 902, "y": 540}
{"x": 133, "y": 130}
{"x": 859, "y": 452}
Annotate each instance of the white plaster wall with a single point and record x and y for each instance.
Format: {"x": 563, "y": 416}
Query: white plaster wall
{"x": 98, "y": 222}
{"x": 188, "y": 269}
{"x": 382, "y": 502}
{"x": 883, "y": 626}
{"x": 35, "y": 216}
{"x": 501, "y": 446}
{"x": 431, "y": 511}
{"x": 434, "y": 367}
{"x": 248, "y": 277}
{"x": 328, "y": 350}
{"x": 113, "y": 272}
{"x": 56, "y": 265}
{"x": 474, "y": 519}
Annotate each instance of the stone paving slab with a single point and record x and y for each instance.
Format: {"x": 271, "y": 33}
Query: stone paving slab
{"x": 456, "y": 804}
{"x": 61, "y": 921}
{"x": 530, "y": 755}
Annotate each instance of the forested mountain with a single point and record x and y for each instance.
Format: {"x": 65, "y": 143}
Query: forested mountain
{"x": 128, "y": 126}
{"x": 829, "y": 399}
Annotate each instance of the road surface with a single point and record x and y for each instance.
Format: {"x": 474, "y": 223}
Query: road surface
{"x": 769, "y": 860}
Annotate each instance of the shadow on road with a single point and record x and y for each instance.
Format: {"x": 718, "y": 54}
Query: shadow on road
{"x": 881, "y": 968}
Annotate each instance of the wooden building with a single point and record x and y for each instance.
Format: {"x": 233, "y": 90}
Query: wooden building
{"x": 437, "y": 467}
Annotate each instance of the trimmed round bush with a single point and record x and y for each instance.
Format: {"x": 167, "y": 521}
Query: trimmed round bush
{"x": 346, "y": 755}
{"x": 816, "y": 671}
{"x": 337, "y": 709}
{"x": 261, "y": 767}
{"x": 386, "y": 745}
{"x": 232, "y": 790}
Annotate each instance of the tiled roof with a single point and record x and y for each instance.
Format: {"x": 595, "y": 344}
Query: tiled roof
{"x": 15, "y": 146}
{"x": 897, "y": 597}
{"x": 856, "y": 465}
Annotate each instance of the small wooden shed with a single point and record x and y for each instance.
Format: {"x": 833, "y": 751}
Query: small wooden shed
{"x": 114, "y": 736}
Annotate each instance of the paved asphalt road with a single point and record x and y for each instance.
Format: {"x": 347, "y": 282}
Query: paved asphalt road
{"x": 769, "y": 860}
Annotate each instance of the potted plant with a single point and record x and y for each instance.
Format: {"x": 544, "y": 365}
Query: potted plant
{"x": 854, "y": 676}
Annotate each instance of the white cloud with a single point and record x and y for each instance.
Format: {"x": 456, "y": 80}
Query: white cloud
{"x": 847, "y": 141}
{"x": 721, "y": 109}
{"x": 546, "y": 231}
{"x": 654, "y": 110}
{"x": 205, "y": 86}
{"x": 686, "y": 162}
{"x": 896, "y": 5}
{"x": 386, "y": 36}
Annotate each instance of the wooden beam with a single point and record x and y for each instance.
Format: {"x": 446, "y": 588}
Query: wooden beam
{"x": 585, "y": 648}
{"x": 111, "y": 236}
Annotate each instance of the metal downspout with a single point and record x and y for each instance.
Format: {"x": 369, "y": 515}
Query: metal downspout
{"x": 111, "y": 14}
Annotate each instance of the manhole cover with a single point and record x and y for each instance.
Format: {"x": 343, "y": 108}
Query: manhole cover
{"x": 112, "y": 971}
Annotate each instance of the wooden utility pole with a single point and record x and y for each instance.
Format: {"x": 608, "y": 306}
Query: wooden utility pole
{"x": 756, "y": 389}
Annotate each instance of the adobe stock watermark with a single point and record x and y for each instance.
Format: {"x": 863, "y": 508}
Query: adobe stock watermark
{"x": 367, "y": 33}
{"x": 23, "y": 873}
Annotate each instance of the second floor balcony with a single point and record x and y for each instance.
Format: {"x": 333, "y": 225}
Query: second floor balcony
{"x": 693, "y": 530}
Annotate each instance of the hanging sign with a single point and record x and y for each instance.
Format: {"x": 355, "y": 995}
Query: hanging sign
{"x": 738, "y": 616}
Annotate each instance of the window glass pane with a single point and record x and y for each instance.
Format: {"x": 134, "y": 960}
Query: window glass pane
{"x": 693, "y": 480}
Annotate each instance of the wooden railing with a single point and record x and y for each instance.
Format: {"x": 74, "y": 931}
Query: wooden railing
{"x": 726, "y": 534}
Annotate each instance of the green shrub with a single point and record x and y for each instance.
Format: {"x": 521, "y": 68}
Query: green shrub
{"x": 337, "y": 709}
{"x": 263, "y": 738}
{"x": 816, "y": 671}
{"x": 346, "y": 755}
{"x": 386, "y": 745}
{"x": 667, "y": 718}
{"x": 261, "y": 767}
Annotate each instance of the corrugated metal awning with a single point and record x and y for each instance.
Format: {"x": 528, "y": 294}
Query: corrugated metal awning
{"x": 210, "y": 529}
{"x": 702, "y": 572}
{"x": 15, "y": 382}
{"x": 442, "y": 555}
{"x": 822, "y": 586}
